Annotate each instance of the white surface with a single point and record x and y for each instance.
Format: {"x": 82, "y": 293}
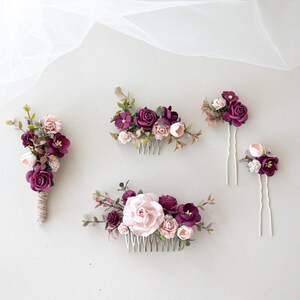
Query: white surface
{"x": 36, "y": 32}
{"x": 62, "y": 260}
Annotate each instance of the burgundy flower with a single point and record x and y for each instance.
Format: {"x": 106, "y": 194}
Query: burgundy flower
{"x": 127, "y": 194}
{"x": 268, "y": 165}
{"x": 146, "y": 118}
{"x": 188, "y": 214}
{"x": 229, "y": 96}
{"x": 168, "y": 116}
{"x": 57, "y": 146}
{"x": 236, "y": 114}
{"x": 40, "y": 180}
{"x": 169, "y": 203}
{"x": 123, "y": 120}
{"x": 27, "y": 138}
{"x": 113, "y": 219}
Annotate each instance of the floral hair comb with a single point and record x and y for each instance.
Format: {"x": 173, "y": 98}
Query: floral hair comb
{"x": 261, "y": 161}
{"x": 229, "y": 109}
{"x": 147, "y": 129}
{"x": 148, "y": 222}
{"x": 46, "y": 145}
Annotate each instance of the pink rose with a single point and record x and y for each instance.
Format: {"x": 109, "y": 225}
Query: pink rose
{"x": 169, "y": 227}
{"x": 160, "y": 131}
{"x": 124, "y": 137}
{"x": 184, "y": 232}
{"x": 143, "y": 214}
{"x": 219, "y": 103}
{"x": 28, "y": 159}
{"x": 177, "y": 129}
{"x": 50, "y": 124}
{"x": 256, "y": 150}
{"x": 123, "y": 229}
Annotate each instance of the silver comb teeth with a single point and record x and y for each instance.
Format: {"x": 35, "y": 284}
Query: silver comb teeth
{"x": 152, "y": 147}
{"x": 151, "y": 243}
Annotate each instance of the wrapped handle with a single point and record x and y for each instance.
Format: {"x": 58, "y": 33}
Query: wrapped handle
{"x": 42, "y": 206}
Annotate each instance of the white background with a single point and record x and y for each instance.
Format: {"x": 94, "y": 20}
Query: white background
{"x": 63, "y": 260}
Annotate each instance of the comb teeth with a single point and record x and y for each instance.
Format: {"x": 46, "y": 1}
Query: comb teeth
{"x": 152, "y": 147}
{"x": 151, "y": 243}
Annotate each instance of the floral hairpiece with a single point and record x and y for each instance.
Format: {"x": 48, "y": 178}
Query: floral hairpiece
{"x": 229, "y": 109}
{"x": 148, "y": 221}
{"x": 146, "y": 129}
{"x": 261, "y": 161}
{"x": 46, "y": 145}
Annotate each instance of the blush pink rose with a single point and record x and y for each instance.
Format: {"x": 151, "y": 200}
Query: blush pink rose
{"x": 28, "y": 159}
{"x": 50, "y": 124}
{"x": 256, "y": 150}
{"x": 169, "y": 227}
{"x": 143, "y": 214}
{"x": 184, "y": 232}
{"x": 123, "y": 229}
{"x": 219, "y": 103}
{"x": 160, "y": 131}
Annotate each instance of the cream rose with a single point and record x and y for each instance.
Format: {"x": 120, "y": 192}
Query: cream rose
{"x": 50, "y": 124}
{"x": 256, "y": 150}
{"x": 124, "y": 137}
{"x": 254, "y": 166}
{"x": 184, "y": 232}
{"x": 54, "y": 163}
{"x": 143, "y": 214}
{"x": 177, "y": 129}
{"x": 160, "y": 131}
{"x": 169, "y": 227}
{"x": 123, "y": 229}
{"x": 219, "y": 103}
{"x": 28, "y": 159}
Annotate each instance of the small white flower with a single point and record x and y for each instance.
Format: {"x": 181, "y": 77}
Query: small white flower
{"x": 254, "y": 166}
{"x": 124, "y": 137}
{"x": 219, "y": 103}
{"x": 177, "y": 129}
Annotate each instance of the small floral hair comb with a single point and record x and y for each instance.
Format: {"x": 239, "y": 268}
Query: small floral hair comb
{"x": 46, "y": 145}
{"x": 229, "y": 109}
{"x": 147, "y": 129}
{"x": 261, "y": 161}
{"x": 148, "y": 222}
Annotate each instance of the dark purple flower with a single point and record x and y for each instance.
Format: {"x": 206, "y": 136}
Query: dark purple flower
{"x": 123, "y": 120}
{"x": 168, "y": 203}
{"x": 229, "y": 96}
{"x": 168, "y": 116}
{"x": 57, "y": 146}
{"x": 268, "y": 165}
{"x": 236, "y": 114}
{"x": 113, "y": 219}
{"x": 40, "y": 180}
{"x": 27, "y": 138}
{"x": 146, "y": 118}
{"x": 188, "y": 214}
{"x": 127, "y": 194}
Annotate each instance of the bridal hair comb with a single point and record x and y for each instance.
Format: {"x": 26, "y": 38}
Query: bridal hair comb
{"x": 229, "y": 109}
{"x": 148, "y": 222}
{"x": 261, "y": 161}
{"x": 147, "y": 129}
{"x": 46, "y": 145}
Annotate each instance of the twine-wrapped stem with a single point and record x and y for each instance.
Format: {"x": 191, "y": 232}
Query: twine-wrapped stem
{"x": 42, "y": 198}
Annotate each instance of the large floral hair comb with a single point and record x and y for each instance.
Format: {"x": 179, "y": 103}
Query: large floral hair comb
{"x": 147, "y": 129}
{"x": 229, "y": 109}
{"x": 149, "y": 222}
{"x": 46, "y": 145}
{"x": 261, "y": 161}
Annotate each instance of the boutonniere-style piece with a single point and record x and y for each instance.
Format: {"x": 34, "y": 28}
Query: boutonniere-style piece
{"x": 46, "y": 146}
{"x": 149, "y": 222}
{"x": 229, "y": 109}
{"x": 261, "y": 161}
{"x": 146, "y": 129}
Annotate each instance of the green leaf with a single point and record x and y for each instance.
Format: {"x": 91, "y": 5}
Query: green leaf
{"x": 121, "y": 105}
{"x": 26, "y": 107}
{"x": 30, "y": 126}
{"x": 118, "y": 91}
{"x": 97, "y": 193}
{"x": 85, "y": 223}
{"x": 159, "y": 111}
{"x": 33, "y": 116}
{"x": 96, "y": 220}
{"x": 10, "y": 122}
{"x": 131, "y": 101}
{"x": 114, "y": 135}
{"x": 140, "y": 192}
{"x": 20, "y": 125}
